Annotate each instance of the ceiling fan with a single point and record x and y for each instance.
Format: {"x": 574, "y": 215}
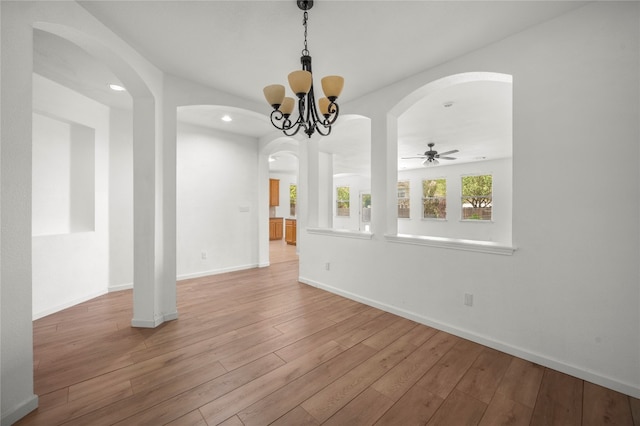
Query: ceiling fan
{"x": 431, "y": 156}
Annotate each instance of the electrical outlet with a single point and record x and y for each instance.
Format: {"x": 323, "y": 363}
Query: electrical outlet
{"x": 468, "y": 299}
{"x": 327, "y": 266}
{"x": 203, "y": 255}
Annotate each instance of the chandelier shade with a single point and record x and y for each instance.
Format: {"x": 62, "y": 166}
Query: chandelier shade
{"x": 324, "y": 103}
{"x": 274, "y": 95}
{"x": 287, "y": 106}
{"x": 332, "y": 86}
{"x": 301, "y": 83}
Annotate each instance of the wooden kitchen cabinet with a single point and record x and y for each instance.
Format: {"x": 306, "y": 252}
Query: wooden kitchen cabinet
{"x": 274, "y": 192}
{"x": 290, "y": 231}
{"x": 275, "y": 228}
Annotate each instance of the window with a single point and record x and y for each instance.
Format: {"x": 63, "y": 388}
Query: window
{"x": 365, "y": 202}
{"x": 342, "y": 201}
{"x": 403, "y": 199}
{"x": 293, "y": 197}
{"x": 477, "y": 197}
{"x": 434, "y": 199}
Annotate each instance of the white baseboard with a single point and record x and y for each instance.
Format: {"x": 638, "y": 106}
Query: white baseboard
{"x": 16, "y": 413}
{"x": 120, "y": 287}
{"x": 65, "y": 305}
{"x": 590, "y": 376}
{"x": 216, "y": 271}
{"x": 159, "y": 319}
{"x": 171, "y": 316}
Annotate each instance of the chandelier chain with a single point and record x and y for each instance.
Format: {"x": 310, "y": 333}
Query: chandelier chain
{"x": 305, "y": 51}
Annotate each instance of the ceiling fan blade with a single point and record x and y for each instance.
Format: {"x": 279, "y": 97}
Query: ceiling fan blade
{"x": 453, "y": 151}
{"x": 410, "y": 158}
{"x": 447, "y": 158}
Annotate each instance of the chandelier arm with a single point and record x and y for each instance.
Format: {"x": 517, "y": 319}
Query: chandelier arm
{"x": 278, "y": 116}
{"x": 295, "y": 126}
{"x": 334, "y": 109}
{"x": 307, "y": 105}
{"x": 313, "y": 115}
{"x": 328, "y": 129}
{"x": 327, "y": 122}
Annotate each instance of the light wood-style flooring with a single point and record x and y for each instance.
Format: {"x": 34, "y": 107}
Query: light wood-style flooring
{"x": 256, "y": 347}
{"x": 280, "y": 251}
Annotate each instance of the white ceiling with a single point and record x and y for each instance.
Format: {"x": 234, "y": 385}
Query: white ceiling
{"x": 241, "y": 46}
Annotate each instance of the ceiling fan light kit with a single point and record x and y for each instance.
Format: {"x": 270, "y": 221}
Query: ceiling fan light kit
{"x": 431, "y": 156}
{"x": 301, "y": 83}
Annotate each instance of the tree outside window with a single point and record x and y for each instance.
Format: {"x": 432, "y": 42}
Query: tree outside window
{"x": 293, "y": 197}
{"x": 403, "y": 199}
{"x": 342, "y": 201}
{"x": 477, "y": 197}
{"x": 366, "y": 208}
{"x": 434, "y": 199}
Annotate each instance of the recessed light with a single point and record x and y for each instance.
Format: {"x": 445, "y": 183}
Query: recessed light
{"x": 272, "y": 159}
{"x": 117, "y": 88}
{"x": 226, "y": 118}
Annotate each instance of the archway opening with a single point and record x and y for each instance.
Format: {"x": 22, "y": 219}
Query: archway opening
{"x": 217, "y": 192}
{"x": 455, "y": 159}
{"x": 82, "y": 177}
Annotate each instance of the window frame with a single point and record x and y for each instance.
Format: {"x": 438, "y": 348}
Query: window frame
{"x": 293, "y": 200}
{"x": 464, "y": 197}
{"x": 440, "y": 198}
{"x": 343, "y": 201}
{"x": 407, "y": 197}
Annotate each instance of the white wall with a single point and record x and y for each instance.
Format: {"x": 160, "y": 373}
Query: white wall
{"x": 217, "y": 208}
{"x": 569, "y": 297}
{"x": 70, "y": 255}
{"x": 51, "y": 175}
{"x": 120, "y": 199}
{"x": 497, "y": 230}
{"x": 64, "y": 176}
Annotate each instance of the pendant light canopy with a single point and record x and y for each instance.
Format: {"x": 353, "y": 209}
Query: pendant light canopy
{"x": 301, "y": 83}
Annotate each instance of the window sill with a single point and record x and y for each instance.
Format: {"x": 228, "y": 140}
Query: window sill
{"x": 341, "y": 233}
{"x": 452, "y": 243}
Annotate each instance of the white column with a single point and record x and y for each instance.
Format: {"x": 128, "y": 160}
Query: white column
{"x": 325, "y": 190}
{"x": 263, "y": 208}
{"x": 154, "y": 299}
{"x": 16, "y": 338}
{"x": 310, "y": 147}
{"x": 169, "y": 304}
{"x": 384, "y": 173}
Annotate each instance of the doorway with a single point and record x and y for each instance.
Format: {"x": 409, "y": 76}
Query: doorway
{"x": 283, "y": 191}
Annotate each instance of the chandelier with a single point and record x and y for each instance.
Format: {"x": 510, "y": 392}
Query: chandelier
{"x": 301, "y": 83}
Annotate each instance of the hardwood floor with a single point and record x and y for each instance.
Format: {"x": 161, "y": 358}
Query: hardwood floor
{"x": 280, "y": 251}
{"x": 256, "y": 347}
